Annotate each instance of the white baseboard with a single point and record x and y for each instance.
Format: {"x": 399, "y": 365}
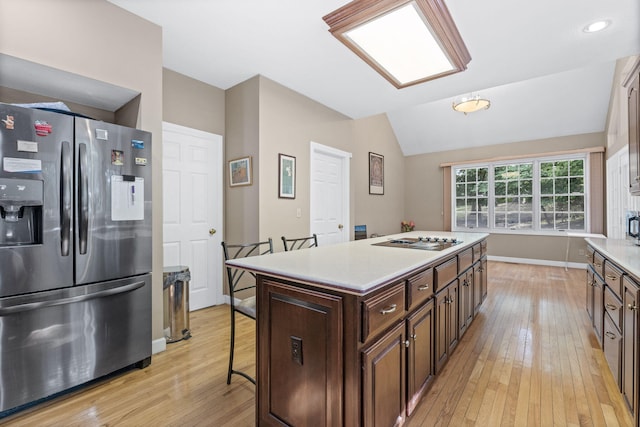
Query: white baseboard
{"x": 158, "y": 346}
{"x": 546, "y": 262}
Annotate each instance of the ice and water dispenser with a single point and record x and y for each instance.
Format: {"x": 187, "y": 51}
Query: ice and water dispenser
{"x": 21, "y": 203}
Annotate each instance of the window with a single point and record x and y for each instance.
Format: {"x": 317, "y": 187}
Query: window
{"x": 528, "y": 195}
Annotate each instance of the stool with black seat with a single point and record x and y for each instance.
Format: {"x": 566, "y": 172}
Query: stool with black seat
{"x": 238, "y": 282}
{"x": 300, "y": 242}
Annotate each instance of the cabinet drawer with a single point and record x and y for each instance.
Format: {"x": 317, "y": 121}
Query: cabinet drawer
{"x": 477, "y": 252}
{"x": 598, "y": 263}
{"x": 613, "y": 306}
{"x": 612, "y": 347}
{"x": 445, "y": 273}
{"x": 589, "y": 255}
{"x": 382, "y": 310}
{"x": 419, "y": 288}
{"x": 465, "y": 259}
{"x": 613, "y": 278}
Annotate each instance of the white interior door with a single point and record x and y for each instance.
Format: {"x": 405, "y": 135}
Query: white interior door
{"x": 329, "y": 194}
{"x": 192, "y": 209}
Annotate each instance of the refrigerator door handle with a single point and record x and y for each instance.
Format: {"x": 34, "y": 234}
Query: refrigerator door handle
{"x": 19, "y": 308}
{"x": 66, "y": 198}
{"x": 83, "y": 199}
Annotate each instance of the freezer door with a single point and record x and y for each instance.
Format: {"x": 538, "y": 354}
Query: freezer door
{"x": 54, "y": 340}
{"x": 36, "y": 200}
{"x": 113, "y": 201}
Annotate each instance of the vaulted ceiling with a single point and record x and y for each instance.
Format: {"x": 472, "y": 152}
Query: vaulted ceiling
{"x": 545, "y": 77}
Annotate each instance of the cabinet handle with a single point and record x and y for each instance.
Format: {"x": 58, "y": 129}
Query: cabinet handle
{"x": 632, "y": 307}
{"x": 388, "y": 310}
{"x": 610, "y": 335}
{"x": 423, "y": 287}
{"x": 611, "y": 307}
{"x": 450, "y": 301}
{"x": 406, "y": 343}
{"x": 587, "y": 256}
{"x": 611, "y": 277}
{"x": 414, "y": 337}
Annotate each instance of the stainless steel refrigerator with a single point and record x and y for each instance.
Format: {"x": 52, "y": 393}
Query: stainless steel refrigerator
{"x": 75, "y": 252}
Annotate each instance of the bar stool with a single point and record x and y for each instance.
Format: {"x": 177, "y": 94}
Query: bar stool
{"x": 300, "y": 242}
{"x": 246, "y": 306}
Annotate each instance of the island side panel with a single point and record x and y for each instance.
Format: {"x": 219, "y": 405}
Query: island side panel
{"x": 300, "y": 362}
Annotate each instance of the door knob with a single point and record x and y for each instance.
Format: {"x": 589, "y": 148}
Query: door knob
{"x": 212, "y": 231}
{"x": 340, "y": 226}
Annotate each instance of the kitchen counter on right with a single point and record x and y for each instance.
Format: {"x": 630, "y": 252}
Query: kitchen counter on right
{"x": 623, "y": 252}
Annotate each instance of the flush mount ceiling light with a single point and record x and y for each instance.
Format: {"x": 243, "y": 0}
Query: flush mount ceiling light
{"x": 471, "y": 104}
{"x": 594, "y": 27}
{"x": 407, "y": 41}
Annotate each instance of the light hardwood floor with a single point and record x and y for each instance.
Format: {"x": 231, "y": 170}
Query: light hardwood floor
{"x": 530, "y": 358}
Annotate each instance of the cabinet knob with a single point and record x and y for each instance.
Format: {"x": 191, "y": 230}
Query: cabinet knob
{"x": 406, "y": 343}
{"x": 632, "y": 307}
{"x": 414, "y": 337}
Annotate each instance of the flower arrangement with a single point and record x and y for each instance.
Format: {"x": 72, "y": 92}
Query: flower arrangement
{"x": 407, "y": 226}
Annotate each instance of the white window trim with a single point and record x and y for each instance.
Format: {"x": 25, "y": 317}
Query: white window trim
{"x": 536, "y": 194}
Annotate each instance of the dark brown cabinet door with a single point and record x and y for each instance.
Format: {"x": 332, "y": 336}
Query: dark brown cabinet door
{"x": 612, "y": 347}
{"x": 454, "y": 306}
{"x": 299, "y": 362}
{"x": 630, "y": 345}
{"x": 483, "y": 277}
{"x": 441, "y": 338}
{"x": 420, "y": 354}
{"x": 477, "y": 287}
{"x": 598, "y": 306}
{"x": 383, "y": 380}
{"x": 466, "y": 307}
{"x": 633, "y": 102}
{"x": 447, "y": 323}
{"x": 590, "y": 293}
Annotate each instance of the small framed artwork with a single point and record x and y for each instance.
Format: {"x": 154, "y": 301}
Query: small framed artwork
{"x": 286, "y": 177}
{"x": 376, "y": 173}
{"x": 240, "y": 171}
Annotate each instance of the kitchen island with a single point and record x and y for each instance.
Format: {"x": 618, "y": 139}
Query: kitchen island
{"x": 353, "y": 334}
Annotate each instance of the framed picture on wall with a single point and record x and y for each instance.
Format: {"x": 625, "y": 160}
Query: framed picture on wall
{"x": 286, "y": 176}
{"x": 240, "y": 171}
{"x": 376, "y": 173}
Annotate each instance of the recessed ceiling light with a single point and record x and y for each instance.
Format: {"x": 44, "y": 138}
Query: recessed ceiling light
{"x": 596, "y": 26}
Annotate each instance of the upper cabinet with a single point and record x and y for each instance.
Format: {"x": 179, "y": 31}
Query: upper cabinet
{"x": 633, "y": 100}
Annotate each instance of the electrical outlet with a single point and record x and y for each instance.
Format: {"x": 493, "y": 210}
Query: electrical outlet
{"x": 296, "y": 350}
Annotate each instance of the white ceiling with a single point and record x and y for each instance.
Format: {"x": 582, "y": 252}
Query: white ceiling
{"x": 544, "y": 76}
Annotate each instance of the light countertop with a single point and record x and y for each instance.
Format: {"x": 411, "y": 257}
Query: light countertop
{"x": 623, "y": 252}
{"x": 357, "y": 266}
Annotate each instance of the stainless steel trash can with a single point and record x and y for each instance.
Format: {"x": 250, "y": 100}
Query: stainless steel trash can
{"x": 176, "y": 303}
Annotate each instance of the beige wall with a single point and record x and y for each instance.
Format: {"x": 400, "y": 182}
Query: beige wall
{"x": 424, "y": 194}
{"x": 264, "y": 119}
{"x": 289, "y": 121}
{"x": 96, "y": 39}
{"x": 241, "y": 210}
{"x": 381, "y": 214}
{"x": 192, "y": 103}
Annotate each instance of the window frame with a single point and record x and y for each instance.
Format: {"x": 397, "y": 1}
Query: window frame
{"x": 536, "y": 196}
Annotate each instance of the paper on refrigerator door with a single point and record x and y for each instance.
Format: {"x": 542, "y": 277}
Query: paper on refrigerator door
{"x": 127, "y": 199}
